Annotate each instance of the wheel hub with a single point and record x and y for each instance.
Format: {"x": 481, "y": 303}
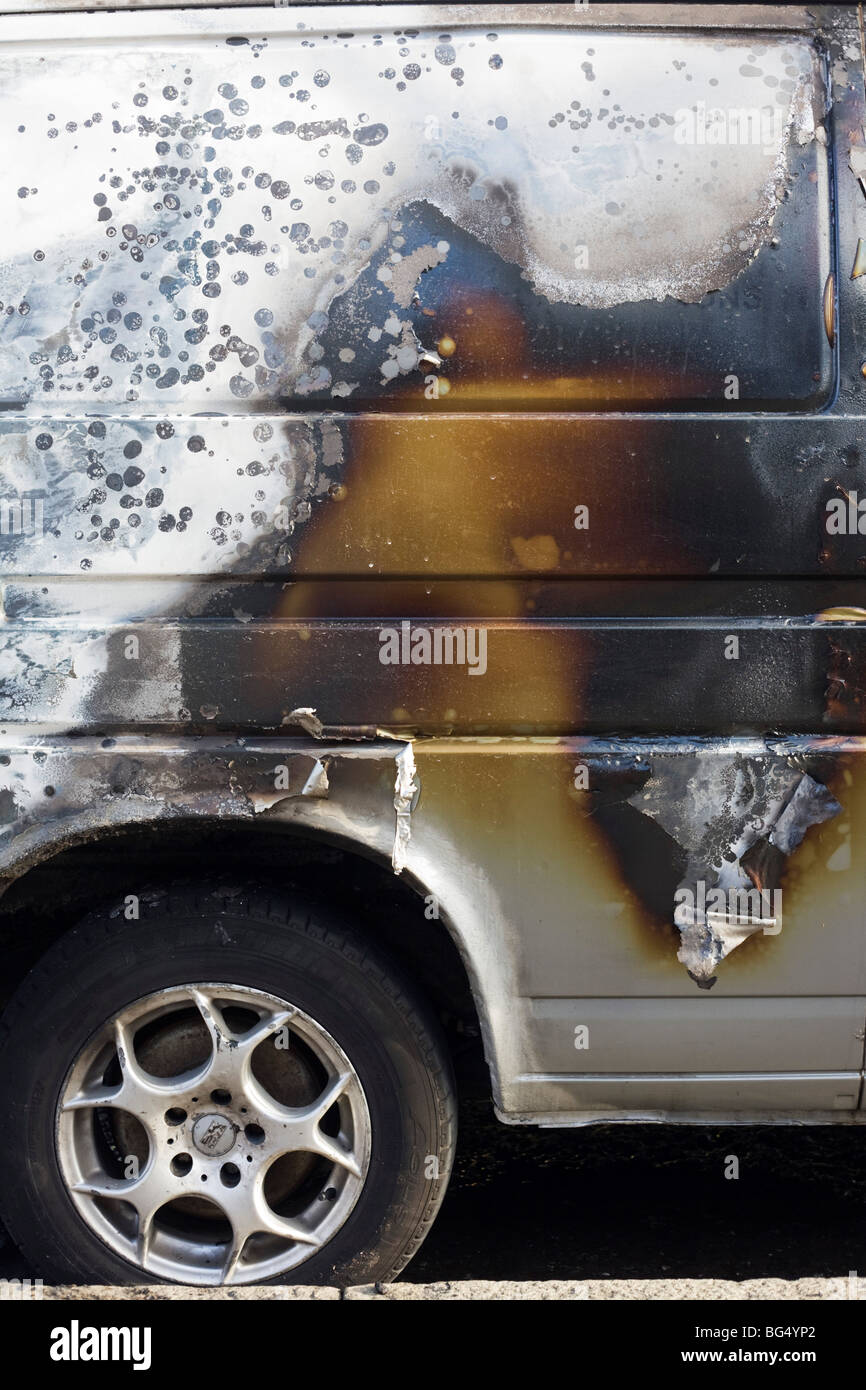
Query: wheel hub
{"x": 214, "y": 1135}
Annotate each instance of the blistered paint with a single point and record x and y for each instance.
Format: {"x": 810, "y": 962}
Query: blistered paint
{"x": 219, "y": 203}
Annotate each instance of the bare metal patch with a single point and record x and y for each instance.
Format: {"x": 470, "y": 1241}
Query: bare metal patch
{"x": 737, "y": 819}
{"x": 405, "y": 274}
{"x": 405, "y": 793}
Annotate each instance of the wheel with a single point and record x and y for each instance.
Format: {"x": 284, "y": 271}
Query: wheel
{"x": 234, "y": 1089}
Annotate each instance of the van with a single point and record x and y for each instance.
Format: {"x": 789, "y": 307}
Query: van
{"x": 432, "y": 515}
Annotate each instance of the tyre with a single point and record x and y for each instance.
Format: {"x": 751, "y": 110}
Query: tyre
{"x": 234, "y": 1089}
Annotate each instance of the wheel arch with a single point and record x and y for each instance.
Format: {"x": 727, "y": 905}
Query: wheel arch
{"x": 72, "y": 873}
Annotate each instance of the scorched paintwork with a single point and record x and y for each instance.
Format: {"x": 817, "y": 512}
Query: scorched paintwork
{"x": 321, "y": 323}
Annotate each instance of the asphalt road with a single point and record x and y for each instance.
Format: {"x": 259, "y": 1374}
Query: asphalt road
{"x": 642, "y": 1202}
{"x": 649, "y": 1202}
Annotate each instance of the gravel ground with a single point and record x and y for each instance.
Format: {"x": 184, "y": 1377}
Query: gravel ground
{"x": 488, "y": 1290}
{"x": 643, "y": 1203}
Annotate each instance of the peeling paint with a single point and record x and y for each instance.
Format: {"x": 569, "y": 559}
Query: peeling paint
{"x": 857, "y": 162}
{"x": 735, "y": 820}
{"x": 406, "y": 790}
{"x": 307, "y": 720}
{"x": 406, "y": 272}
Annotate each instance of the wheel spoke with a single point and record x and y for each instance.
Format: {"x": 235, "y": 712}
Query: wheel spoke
{"x": 322, "y": 1143}
{"x": 213, "y": 1020}
{"x": 331, "y": 1094}
{"x": 328, "y": 1148}
{"x": 95, "y": 1096}
{"x": 138, "y": 1092}
{"x": 268, "y": 1220}
{"x": 233, "y": 1255}
{"x": 146, "y": 1193}
{"x": 231, "y": 1047}
{"x": 133, "y": 1094}
{"x": 248, "y": 1042}
{"x": 133, "y": 1074}
{"x": 103, "y": 1186}
{"x": 299, "y": 1127}
{"x": 145, "y": 1236}
{"x": 249, "y": 1214}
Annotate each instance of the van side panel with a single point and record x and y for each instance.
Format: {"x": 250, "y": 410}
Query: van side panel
{"x": 466, "y": 414}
